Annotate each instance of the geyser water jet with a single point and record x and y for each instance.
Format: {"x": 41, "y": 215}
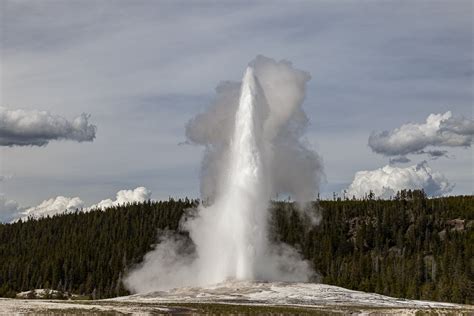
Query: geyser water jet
{"x": 252, "y": 135}
{"x": 246, "y": 187}
{"x": 239, "y": 215}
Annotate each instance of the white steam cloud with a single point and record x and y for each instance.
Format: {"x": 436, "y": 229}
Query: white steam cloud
{"x": 412, "y": 138}
{"x": 295, "y": 169}
{"x": 386, "y": 181}
{"x": 38, "y": 128}
{"x": 252, "y": 134}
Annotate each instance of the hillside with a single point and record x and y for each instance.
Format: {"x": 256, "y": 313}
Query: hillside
{"x": 410, "y": 247}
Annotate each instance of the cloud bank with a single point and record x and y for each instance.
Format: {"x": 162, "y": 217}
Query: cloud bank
{"x": 386, "y": 181}
{"x": 38, "y": 128}
{"x": 10, "y": 210}
{"x": 440, "y": 130}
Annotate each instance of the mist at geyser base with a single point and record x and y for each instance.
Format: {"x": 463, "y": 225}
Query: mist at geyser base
{"x": 254, "y": 150}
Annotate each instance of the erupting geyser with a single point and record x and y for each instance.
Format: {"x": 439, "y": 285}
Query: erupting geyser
{"x": 239, "y": 214}
{"x": 253, "y": 150}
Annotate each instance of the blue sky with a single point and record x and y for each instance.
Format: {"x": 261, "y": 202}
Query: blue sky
{"x": 142, "y": 69}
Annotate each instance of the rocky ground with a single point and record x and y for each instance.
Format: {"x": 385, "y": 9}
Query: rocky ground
{"x": 268, "y": 298}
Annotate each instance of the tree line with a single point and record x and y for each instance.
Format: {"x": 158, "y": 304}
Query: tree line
{"x": 410, "y": 246}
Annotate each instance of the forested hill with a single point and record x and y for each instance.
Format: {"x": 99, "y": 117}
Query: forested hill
{"x": 410, "y": 247}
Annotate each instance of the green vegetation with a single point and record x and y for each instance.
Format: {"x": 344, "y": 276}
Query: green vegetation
{"x": 410, "y": 247}
{"x": 83, "y": 253}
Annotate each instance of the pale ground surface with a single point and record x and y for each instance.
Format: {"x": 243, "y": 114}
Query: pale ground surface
{"x": 249, "y": 297}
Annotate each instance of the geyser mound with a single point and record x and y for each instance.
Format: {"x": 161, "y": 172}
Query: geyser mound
{"x": 252, "y": 135}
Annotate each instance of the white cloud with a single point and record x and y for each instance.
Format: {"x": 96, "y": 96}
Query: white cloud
{"x": 356, "y": 62}
{"x": 386, "y": 181}
{"x": 139, "y": 194}
{"x": 438, "y": 130}
{"x": 11, "y": 211}
{"x": 52, "y": 207}
{"x": 38, "y": 128}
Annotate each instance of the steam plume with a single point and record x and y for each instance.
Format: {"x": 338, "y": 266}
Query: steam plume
{"x": 252, "y": 134}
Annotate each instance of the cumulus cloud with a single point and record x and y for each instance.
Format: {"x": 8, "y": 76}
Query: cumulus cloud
{"x": 139, "y": 194}
{"x": 459, "y": 125}
{"x": 11, "y": 211}
{"x": 439, "y": 130}
{"x": 38, "y": 128}
{"x": 386, "y": 181}
{"x": 53, "y": 206}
